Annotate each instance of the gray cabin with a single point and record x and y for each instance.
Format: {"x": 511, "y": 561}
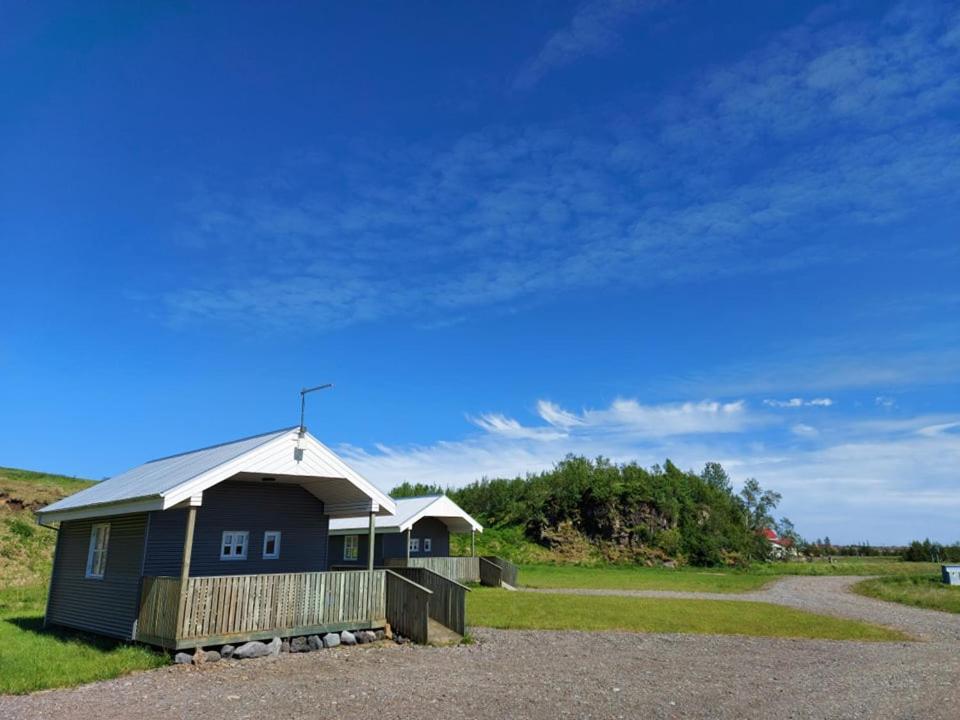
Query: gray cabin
{"x": 175, "y": 551}
{"x": 418, "y": 534}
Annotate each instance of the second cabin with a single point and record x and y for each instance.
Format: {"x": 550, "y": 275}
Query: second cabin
{"x": 419, "y": 529}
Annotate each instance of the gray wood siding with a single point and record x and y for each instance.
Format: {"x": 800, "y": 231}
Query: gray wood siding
{"x": 391, "y": 544}
{"x": 336, "y": 550}
{"x": 254, "y": 507}
{"x": 108, "y": 606}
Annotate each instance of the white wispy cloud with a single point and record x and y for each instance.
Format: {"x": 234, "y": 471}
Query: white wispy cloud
{"x": 804, "y": 430}
{"x": 594, "y": 29}
{"x": 861, "y": 117}
{"x": 881, "y": 480}
{"x": 797, "y": 402}
{"x": 498, "y": 424}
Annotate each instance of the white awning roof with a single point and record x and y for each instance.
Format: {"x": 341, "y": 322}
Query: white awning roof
{"x": 282, "y": 456}
{"x": 409, "y": 511}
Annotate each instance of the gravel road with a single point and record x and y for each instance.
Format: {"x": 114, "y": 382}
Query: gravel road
{"x": 550, "y": 675}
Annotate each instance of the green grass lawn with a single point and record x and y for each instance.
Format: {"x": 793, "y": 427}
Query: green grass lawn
{"x": 926, "y": 591}
{"x": 847, "y": 566}
{"x": 688, "y": 579}
{"x": 629, "y": 577}
{"x": 487, "y": 607}
{"x": 32, "y": 658}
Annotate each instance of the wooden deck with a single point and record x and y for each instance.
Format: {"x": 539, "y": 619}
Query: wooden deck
{"x": 234, "y": 608}
{"x": 488, "y": 570}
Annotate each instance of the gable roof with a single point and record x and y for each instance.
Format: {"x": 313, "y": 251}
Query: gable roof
{"x": 160, "y": 484}
{"x": 409, "y": 511}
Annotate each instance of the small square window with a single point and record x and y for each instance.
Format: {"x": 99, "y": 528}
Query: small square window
{"x": 414, "y": 545}
{"x": 427, "y": 543}
{"x": 233, "y": 545}
{"x": 271, "y": 545}
{"x": 351, "y": 549}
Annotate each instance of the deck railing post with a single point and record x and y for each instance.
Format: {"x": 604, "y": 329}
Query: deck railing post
{"x": 370, "y": 549}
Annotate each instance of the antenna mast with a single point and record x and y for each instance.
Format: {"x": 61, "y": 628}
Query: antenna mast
{"x": 303, "y": 403}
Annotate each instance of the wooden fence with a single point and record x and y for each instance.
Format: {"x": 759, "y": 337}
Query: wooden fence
{"x": 448, "y": 600}
{"x": 509, "y": 573}
{"x": 407, "y": 607}
{"x": 160, "y": 599}
{"x": 460, "y": 569}
{"x": 227, "y": 608}
{"x": 490, "y": 573}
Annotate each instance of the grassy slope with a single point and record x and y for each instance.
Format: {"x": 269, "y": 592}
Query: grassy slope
{"x": 926, "y": 591}
{"x": 30, "y": 657}
{"x": 535, "y": 611}
{"x": 26, "y": 548}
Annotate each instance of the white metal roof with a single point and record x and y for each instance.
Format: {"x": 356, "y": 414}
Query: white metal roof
{"x": 409, "y": 511}
{"x": 282, "y": 455}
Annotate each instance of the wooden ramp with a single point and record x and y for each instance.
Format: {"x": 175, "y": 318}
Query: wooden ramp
{"x": 440, "y": 634}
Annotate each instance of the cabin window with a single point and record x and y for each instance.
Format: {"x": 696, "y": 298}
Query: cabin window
{"x": 97, "y": 554}
{"x": 427, "y": 542}
{"x": 234, "y": 545}
{"x": 351, "y": 547}
{"x": 271, "y": 545}
{"x": 414, "y": 545}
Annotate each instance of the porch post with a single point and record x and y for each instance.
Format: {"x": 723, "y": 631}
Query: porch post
{"x": 194, "y": 503}
{"x": 188, "y": 545}
{"x": 370, "y": 550}
{"x": 408, "y": 547}
{"x": 473, "y": 542}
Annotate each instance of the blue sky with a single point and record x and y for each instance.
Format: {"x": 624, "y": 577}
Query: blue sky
{"x": 505, "y": 231}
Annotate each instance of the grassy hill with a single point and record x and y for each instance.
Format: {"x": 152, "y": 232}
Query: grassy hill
{"x": 26, "y": 548}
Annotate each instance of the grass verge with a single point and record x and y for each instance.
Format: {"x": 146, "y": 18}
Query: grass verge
{"x": 33, "y": 658}
{"x": 925, "y": 591}
{"x": 629, "y": 577}
{"x": 690, "y": 579}
{"x": 535, "y": 611}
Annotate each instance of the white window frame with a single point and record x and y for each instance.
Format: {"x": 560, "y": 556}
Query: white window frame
{"x": 427, "y": 545}
{"x": 97, "y": 551}
{"x": 414, "y": 545}
{"x": 275, "y": 534}
{"x": 234, "y": 536}
{"x": 351, "y": 547}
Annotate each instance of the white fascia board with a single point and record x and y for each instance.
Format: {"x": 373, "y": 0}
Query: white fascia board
{"x": 125, "y": 507}
{"x": 279, "y": 457}
{"x": 450, "y": 509}
{"x": 364, "y": 530}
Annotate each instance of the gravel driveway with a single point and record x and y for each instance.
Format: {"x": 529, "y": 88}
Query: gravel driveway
{"x": 514, "y": 674}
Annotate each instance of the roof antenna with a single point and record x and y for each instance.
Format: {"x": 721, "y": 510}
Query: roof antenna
{"x": 303, "y": 403}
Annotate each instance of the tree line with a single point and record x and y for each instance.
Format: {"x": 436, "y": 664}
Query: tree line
{"x": 627, "y": 511}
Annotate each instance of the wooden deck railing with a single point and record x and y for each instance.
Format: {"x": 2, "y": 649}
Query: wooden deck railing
{"x": 227, "y": 608}
{"x": 448, "y": 600}
{"x": 490, "y": 573}
{"x": 407, "y": 607}
{"x": 509, "y": 573}
{"x": 460, "y": 569}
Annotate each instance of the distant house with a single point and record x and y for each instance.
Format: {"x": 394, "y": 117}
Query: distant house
{"x": 781, "y": 547}
{"x": 420, "y": 528}
{"x": 221, "y": 544}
